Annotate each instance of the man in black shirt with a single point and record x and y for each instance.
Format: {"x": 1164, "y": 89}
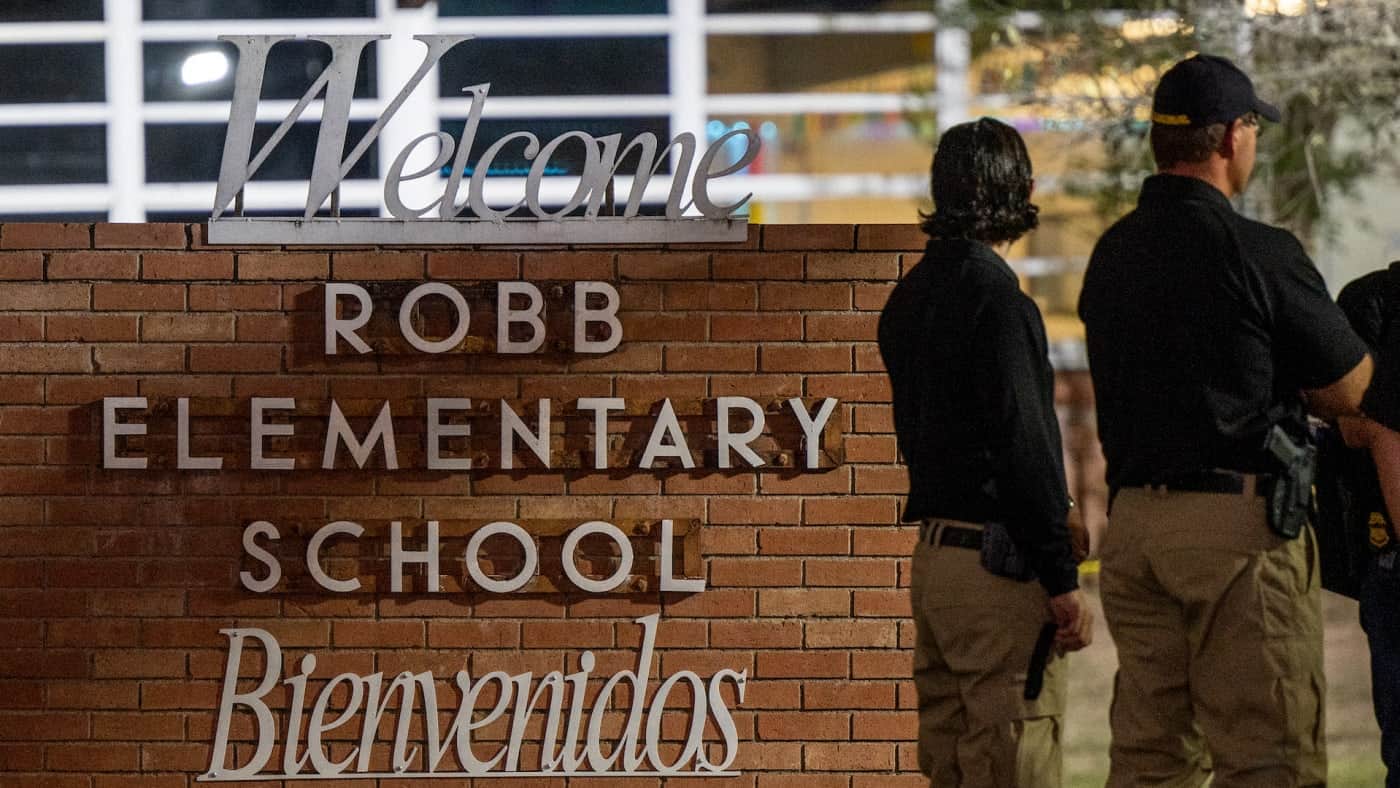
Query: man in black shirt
{"x": 1204, "y": 331}
{"x": 975, "y": 420}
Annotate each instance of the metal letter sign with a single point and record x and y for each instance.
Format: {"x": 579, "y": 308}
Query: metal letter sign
{"x": 443, "y": 221}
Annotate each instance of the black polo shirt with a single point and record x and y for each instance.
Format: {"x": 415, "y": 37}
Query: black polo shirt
{"x": 1202, "y": 327}
{"x": 974, "y": 402}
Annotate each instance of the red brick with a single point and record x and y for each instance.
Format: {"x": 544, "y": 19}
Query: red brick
{"x": 138, "y": 663}
{"x": 474, "y": 265}
{"x": 652, "y": 266}
{"x": 754, "y": 511}
{"x": 722, "y": 603}
{"x": 843, "y": 511}
{"x": 187, "y": 328}
{"x": 842, "y": 757}
{"x": 93, "y": 265}
{"x": 890, "y": 237}
{"x": 892, "y": 480}
{"x": 474, "y": 634}
{"x": 360, "y": 266}
{"x": 756, "y": 634}
{"x": 378, "y": 634}
{"x": 861, "y": 387}
{"x": 45, "y": 235}
{"x": 853, "y": 267}
{"x": 710, "y": 358}
{"x": 871, "y": 448}
{"x": 756, "y": 572}
{"x": 804, "y": 602}
{"x": 594, "y": 266}
{"x": 708, "y": 295}
{"x": 883, "y": 541}
{"x": 138, "y": 726}
{"x": 804, "y": 726}
{"x": 220, "y": 298}
{"x": 805, "y": 541}
{"x": 44, "y": 297}
{"x": 21, "y": 265}
{"x": 153, "y": 235}
{"x": 235, "y": 358}
{"x": 755, "y": 327}
{"x": 804, "y": 295}
{"x": 802, "y": 664}
{"x": 90, "y": 758}
{"x": 187, "y": 266}
{"x": 848, "y": 695}
{"x": 882, "y": 664}
{"x": 91, "y": 328}
{"x": 750, "y": 266}
{"x": 139, "y": 358}
{"x": 828, "y": 328}
{"x": 284, "y": 265}
{"x": 851, "y": 572}
{"x": 21, "y": 328}
{"x": 45, "y": 358}
{"x": 47, "y": 726}
{"x": 835, "y": 237}
{"x": 662, "y": 327}
{"x": 806, "y": 357}
{"x": 869, "y": 297}
{"x": 847, "y": 635}
{"x": 138, "y": 297}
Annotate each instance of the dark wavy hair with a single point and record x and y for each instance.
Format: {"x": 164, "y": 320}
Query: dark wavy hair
{"x": 981, "y": 185}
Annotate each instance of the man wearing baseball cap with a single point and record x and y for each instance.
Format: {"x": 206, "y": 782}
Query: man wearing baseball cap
{"x": 1210, "y": 336}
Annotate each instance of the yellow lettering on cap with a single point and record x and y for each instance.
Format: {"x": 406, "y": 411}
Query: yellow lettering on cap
{"x": 1379, "y": 535}
{"x": 1170, "y": 120}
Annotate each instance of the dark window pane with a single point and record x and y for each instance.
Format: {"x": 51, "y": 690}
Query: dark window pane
{"x": 51, "y": 73}
{"x": 84, "y": 218}
{"x": 548, "y": 7}
{"x": 188, "y": 153}
{"x": 568, "y": 157}
{"x": 50, "y": 10}
{"x": 291, "y": 68}
{"x": 254, "y": 9}
{"x": 53, "y": 154}
{"x": 558, "y": 67}
{"x": 824, "y": 63}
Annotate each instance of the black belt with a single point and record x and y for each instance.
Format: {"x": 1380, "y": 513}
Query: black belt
{"x": 952, "y": 535}
{"x": 1212, "y": 481}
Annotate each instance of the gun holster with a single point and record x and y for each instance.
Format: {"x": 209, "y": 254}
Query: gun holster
{"x": 1001, "y": 556}
{"x": 1290, "y": 499}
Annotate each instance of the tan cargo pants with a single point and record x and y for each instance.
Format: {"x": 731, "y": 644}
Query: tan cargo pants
{"x": 1218, "y": 625}
{"x": 974, "y": 635}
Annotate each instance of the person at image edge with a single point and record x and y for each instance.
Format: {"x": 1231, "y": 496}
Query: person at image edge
{"x": 995, "y": 593}
{"x": 1209, "y": 335}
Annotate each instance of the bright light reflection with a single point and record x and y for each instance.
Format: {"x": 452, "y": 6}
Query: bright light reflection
{"x": 201, "y": 68}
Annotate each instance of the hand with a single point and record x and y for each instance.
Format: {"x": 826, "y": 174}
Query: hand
{"x": 1074, "y": 621}
{"x": 1078, "y": 535}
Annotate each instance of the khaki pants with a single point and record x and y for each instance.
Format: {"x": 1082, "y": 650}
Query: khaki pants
{"x": 1218, "y": 625}
{"x": 974, "y": 636}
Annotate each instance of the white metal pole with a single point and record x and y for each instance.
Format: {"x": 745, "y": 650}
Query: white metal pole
{"x": 396, "y": 59}
{"x": 126, "y": 136}
{"x": 688, "y": 72}
{"x": 952, "y": 52}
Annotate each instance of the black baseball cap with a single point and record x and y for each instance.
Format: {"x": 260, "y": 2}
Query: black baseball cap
{"x": 1205, "y": 90}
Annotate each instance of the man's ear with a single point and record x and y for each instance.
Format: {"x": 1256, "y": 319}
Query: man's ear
{"x": 1231, "y": 141}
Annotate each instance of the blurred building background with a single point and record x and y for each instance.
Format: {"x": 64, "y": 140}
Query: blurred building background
{"x": 114, "y": 110}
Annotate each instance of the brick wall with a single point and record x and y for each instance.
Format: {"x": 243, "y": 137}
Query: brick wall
{"x": 114, "y": 584}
